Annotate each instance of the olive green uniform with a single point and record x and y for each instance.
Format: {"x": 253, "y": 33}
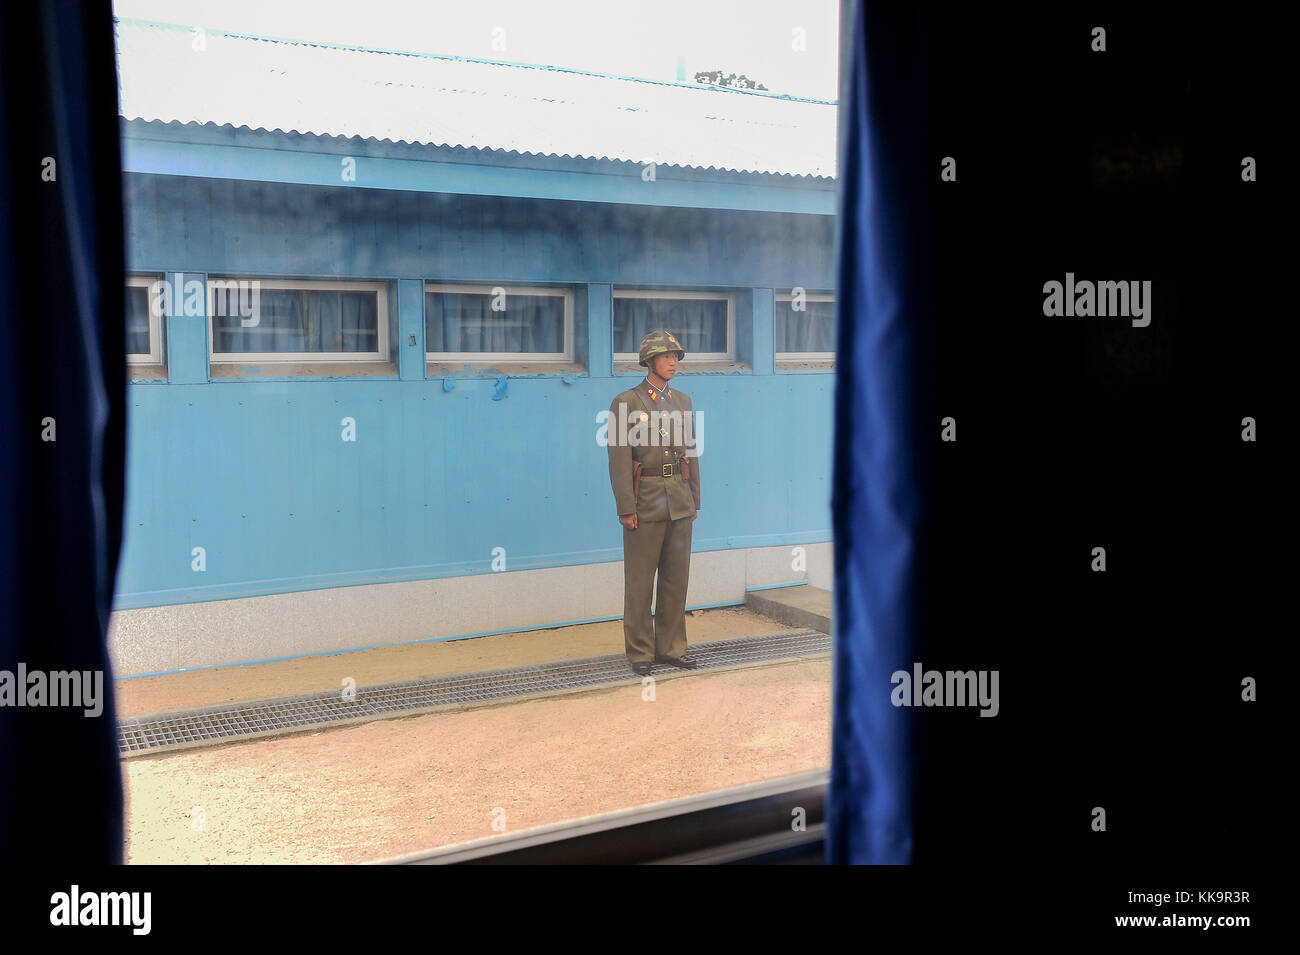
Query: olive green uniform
{"x": 665, "y": 509}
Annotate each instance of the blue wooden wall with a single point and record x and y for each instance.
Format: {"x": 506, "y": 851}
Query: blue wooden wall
{"x": 255, "y": 472}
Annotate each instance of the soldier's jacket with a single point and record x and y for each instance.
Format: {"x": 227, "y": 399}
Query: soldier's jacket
{"x": 661, "y": 498}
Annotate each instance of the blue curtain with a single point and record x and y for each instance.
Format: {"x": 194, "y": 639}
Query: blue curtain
{"x": 878, "y": 479}
{"x": 63, "y": 401}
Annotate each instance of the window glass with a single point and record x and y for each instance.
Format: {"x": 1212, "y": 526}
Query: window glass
{"x": 463, "y": 321}
{"x": 137, "y": 320}
{"x": 699, "y": 324}
{"x": 295, "y": 320}
{"x": 810, "y": 330}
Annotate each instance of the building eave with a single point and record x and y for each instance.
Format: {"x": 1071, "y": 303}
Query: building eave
{"x": 225, "y": 152}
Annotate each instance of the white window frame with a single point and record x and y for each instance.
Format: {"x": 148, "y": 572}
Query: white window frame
{"x": 155, "y": 356}
{"x": 803, "y": 355}
{"x": 470, "y": 357}
{"x": 728, "y": 355}
{"x": 291, "y": 357}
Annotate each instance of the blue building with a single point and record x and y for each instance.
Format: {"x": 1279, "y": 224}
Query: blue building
{"x": 453, "y": 262}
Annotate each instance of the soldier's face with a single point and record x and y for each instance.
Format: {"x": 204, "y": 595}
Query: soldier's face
{"x": 665, "y": 366}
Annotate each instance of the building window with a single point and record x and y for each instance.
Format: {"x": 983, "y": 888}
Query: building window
{"x": 704, "y": 322}
{"x": 144, "y": 324}
{"x": 282, "y": 320}
{"x": 806, "y": 333}
{"x": 497, "y": 323}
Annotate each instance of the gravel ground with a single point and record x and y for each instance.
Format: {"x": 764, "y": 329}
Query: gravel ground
{"x": 390, "y": 787}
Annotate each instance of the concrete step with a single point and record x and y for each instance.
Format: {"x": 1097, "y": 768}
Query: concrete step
{"x": 801, "y": 606}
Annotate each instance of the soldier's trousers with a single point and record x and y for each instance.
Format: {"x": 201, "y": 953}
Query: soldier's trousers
{"x": 664, "y": 546}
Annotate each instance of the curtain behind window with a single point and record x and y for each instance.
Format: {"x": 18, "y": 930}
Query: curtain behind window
{"x": 137, "y": 320}
{"x": 299, "y": 320}
{"x": 811, "y": 330}
{"x": 465, "y": 322}
{"x": 699, "y": 324}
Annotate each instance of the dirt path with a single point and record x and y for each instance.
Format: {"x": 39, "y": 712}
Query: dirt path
{"x": 395, "y": 786}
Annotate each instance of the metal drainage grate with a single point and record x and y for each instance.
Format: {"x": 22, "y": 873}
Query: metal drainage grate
{"x": 241, "y": 721}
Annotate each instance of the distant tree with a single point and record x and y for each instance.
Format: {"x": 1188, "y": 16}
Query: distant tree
{"x": 715, "y": 78}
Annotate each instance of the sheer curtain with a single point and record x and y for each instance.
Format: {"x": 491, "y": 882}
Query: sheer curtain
{"x": 465, "y": 322}
{"x": 137, "y": 320}
{"x": 812, "y": 330}
{"x": 300, "y": 320}
{"x": 699, "y": 324}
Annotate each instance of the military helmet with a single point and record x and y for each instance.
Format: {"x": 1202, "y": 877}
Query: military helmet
{"x": 660, "y": 342}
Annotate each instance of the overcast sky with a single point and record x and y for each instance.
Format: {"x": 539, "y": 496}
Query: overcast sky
{"x": 640, "y": 38}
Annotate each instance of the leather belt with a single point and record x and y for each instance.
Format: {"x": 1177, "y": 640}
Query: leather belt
{"x": 669, "y": 470}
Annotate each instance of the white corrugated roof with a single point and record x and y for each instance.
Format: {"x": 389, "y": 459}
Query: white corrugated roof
{"x": 295, "y": 86}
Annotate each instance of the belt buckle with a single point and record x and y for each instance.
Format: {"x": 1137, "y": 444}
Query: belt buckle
{"x": 668, "y": 470}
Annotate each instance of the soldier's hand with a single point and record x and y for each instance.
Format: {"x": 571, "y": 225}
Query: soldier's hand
{"x": 628, "y": 521}
{"x": 695, "y": 515}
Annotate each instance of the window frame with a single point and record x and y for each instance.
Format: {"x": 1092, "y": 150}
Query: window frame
{"x": 380, "y": 356}
{"x": 802, "y": 355}
{"x": 155, "y": 358}
{"x": 471, "y": 357}
{"x": 729, "y": 355}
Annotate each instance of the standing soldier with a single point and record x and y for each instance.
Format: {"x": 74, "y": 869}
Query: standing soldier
{"x": 657, "y": 493}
